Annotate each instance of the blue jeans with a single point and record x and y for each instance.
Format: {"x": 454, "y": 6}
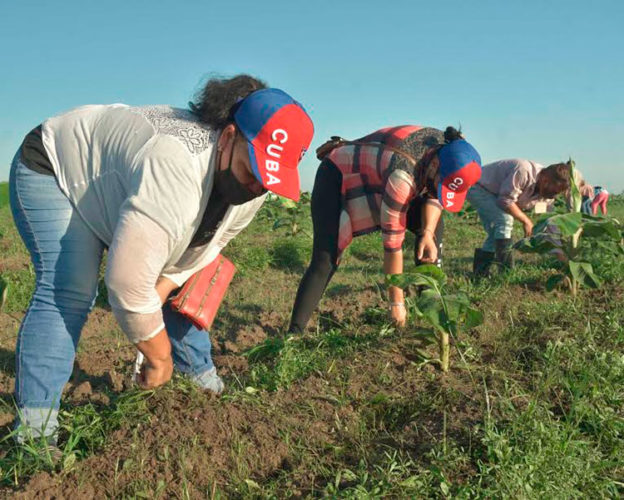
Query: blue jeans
{"x": 66, "y": 256}
{"x": 496, "y": 222}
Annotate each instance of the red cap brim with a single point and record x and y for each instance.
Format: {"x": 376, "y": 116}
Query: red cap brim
{"x": 283, "y": 182}
{"x": 452, "y": 191}
{"x": 451, "y": 200}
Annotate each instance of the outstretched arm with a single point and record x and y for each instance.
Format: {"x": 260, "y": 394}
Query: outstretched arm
{"x": 398, "y": 192}
{"x": 137, "y": 254}
{"x": 514, "y": 210}
{"x": 427, "y": 248}
{"x": 393, "y": 264}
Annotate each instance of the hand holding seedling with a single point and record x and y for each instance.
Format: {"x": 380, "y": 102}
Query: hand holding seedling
{"x": 398, "y": 314}
{"x": 527, "y": 224}
{"x": 444, "y": 313}
{"x": 427, "y": 248}
{"x": 155, "y": 373}
{"x": 427, "y": 251}
{"x": 158, "y": 366}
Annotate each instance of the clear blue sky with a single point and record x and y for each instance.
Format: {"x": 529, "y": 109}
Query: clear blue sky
{"x": 537, "y": 79}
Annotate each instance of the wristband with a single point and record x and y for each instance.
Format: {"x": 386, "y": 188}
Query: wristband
{"x": 396, "y": 304}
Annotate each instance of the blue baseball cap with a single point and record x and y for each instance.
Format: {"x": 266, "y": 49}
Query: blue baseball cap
{"x": 278, "y": 132}
{"x": 460, "y": 169}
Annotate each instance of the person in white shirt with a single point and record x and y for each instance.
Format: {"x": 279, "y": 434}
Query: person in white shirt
{"x": 164, "y": 189}
{"x": 506, "y": 189}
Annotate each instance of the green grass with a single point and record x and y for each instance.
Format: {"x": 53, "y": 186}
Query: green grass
{"x": 533, "y": 409}
{"x": 19, "y": 286}
{"x": 290, "y": 254}
{"x": 84, "y": 430}
{"x": 4, "y": 194}
{"x": 278, "y": 363}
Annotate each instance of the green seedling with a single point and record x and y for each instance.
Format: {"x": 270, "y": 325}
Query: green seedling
{"x": 467, "y": 212}
{"x": 444, "y": 312}
{"x": 288, "y": 214}
{"x": 573, "y": 237}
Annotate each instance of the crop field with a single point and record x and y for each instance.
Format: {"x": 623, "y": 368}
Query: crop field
{"x": 531, "y": 407}
{"x": 4, "y": 194}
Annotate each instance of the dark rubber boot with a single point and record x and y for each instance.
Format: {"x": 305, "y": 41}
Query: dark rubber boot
{"x": 504, "y": 253}
{"x": 482, "y": 262}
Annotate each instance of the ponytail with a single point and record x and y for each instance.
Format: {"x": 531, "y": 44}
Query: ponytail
{"x": 452, "y": 134}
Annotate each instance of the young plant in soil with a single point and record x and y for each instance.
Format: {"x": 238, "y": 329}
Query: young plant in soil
{"x": 574, "y": 237}
{"x": 288, "y": 214}
{"x": 445, "y": 313}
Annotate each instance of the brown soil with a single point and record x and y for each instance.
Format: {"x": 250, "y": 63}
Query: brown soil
{"x": 197, "y": 441}
{"x": 13, "y": 262}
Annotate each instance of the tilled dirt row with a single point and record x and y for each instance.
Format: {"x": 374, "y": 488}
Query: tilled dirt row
{"x": 195, "y": 443}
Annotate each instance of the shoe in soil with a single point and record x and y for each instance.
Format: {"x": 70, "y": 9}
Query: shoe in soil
{"x": 51, "y": 452}
{"x": 42, "y": 451}
{"x": 504, "y": 253}
{"x": 209, "y": 380}
{"x": 481, "y": 263}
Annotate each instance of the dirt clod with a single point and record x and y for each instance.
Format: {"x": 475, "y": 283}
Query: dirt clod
{"x": 82, "y": 391}
{"x": 115, "y": 380}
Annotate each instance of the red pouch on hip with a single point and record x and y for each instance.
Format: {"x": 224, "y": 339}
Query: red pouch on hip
{"x": 200, "y": 297}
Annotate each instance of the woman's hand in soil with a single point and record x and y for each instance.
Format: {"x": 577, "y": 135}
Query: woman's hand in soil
{"x": 155, "y": 373}
{"x": 427, "y": 248}
{"x": 528, "y": 228}
{"x": 158, "y": 366}
{"x": 398, "y": 314}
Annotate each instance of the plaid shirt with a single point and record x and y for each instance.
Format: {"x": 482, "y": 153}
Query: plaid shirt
{"x": 374, "y": 194}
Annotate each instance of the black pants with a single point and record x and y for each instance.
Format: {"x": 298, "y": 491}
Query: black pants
{"x": 326, "y": 207}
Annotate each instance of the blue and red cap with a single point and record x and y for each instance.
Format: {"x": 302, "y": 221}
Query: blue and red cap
{"x": 278, "y": 131}
{"x": 460, "y": 169}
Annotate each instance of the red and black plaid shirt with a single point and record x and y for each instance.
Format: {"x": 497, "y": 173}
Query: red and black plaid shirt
{"x": 373, "y": 197}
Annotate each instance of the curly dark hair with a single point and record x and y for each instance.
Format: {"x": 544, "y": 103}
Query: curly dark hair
{"x": 558, "y": 175}
{"x": 215, "y": 102}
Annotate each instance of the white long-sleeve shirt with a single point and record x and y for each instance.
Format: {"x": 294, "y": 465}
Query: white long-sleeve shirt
{"x": 141, "y": 177}
{"x": 512, "y": 181}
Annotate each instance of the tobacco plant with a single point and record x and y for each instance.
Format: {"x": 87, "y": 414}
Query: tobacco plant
{"x": 574, "y": 238}
{"x": 287, "y": 214}
{"x": 445, "y": 313}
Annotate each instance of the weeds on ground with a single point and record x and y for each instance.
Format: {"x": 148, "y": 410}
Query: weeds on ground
{"x": 249, "y": 258}
{"x": 278, "y": 362}
{"x": 17, "y": 287}
{"x": 289, "y": 254}
{"x": 564, "y": 439}
{"x": 83, "y": 430}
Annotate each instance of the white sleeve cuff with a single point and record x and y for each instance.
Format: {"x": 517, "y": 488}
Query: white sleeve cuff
{"x": 139, "y": 327}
